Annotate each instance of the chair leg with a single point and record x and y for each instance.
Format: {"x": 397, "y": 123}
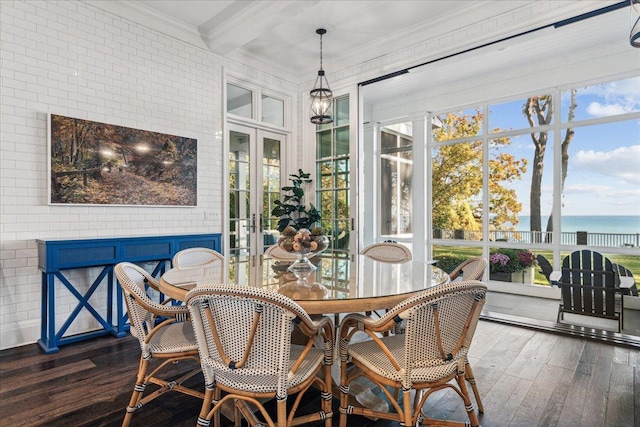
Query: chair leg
{"x": 406, "y": 406}
{"x": 344, "y": 394}
{"x": 206, "y": 407}
{"x": 282, "y": 412}
{"x": 327, "y": 396}
{"x": 138, "y": 389}
{"x": 473, "y": 418}
{"x": 471, "y": 379}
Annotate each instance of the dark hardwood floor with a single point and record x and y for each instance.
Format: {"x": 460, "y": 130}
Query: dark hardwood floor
{"x": 526, "y": 378}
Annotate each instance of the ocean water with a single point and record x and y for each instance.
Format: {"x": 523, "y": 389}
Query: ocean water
{"x": 616, "y": 224}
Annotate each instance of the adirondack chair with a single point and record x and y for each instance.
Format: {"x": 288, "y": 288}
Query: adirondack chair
{"x": 546, "y": 269}
{"x": 588, "y": 286}
{"x": 625, "y": 272}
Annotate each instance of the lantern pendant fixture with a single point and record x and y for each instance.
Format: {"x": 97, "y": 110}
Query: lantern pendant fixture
{"x": 321, "y": 95}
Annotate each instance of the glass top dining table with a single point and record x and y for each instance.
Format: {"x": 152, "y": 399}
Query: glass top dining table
{"x": 341, "y": 283}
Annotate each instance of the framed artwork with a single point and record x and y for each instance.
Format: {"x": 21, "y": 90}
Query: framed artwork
{"x": 93, "y": 163}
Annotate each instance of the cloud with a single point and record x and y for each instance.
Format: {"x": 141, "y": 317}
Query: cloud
{"x": 620, "y": 163}
{"x": 587, "y": 189}
{"x": 600, "y": 110}
{"x": 619, "y": 97}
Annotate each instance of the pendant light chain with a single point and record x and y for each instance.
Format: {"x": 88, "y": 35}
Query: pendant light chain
{"x": 321, "y": 96}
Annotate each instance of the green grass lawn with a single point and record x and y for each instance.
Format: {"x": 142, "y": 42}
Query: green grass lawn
{"x": 454, "y": 255}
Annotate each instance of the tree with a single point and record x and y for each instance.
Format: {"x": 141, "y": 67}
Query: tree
{"x": 539, "y": 112}
{"x": 76, "y": 138}
{"x": 457, "y": 177}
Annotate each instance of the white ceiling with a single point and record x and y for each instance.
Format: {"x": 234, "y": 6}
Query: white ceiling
{"x": 598, "y": 35}
{"x": 282, "y": 33}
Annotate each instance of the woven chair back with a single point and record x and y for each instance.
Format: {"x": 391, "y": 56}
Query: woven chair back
{"x": 471, "y": 269}
{"x": 141, "y": 308}
{"x": 243, "y": 331}
{"x": 196, "y": 257}
{"x": 448, "y": 315}
{"x": 390, "y": 252}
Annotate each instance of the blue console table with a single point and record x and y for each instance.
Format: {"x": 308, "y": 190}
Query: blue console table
{"x": 55, "y": 256}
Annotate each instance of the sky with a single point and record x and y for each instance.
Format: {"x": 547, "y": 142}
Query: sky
{"x": 604, "y": 160}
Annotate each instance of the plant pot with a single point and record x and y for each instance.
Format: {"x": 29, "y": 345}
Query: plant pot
{"x": 500, "y": 276}
{"x": 524, "y": 276}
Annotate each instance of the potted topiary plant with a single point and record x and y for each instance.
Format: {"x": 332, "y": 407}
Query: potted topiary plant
{"x": 296, "y": 223}
{"x": 291, "y": 209}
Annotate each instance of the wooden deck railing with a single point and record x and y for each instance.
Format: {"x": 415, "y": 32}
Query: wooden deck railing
{"x": 631, "y": 240}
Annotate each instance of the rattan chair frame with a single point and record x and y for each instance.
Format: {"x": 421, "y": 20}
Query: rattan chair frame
{"x": 244, "y": 338}
{"x": 196, "y": 257}
{"x": 471, "y": 269}
{"x": 389, "y": 252}
{"x": 164, "y": 333}
{"x": 440, "y": 323}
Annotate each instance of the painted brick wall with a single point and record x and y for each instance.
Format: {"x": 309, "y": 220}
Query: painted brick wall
{"x": 72, "y": 59}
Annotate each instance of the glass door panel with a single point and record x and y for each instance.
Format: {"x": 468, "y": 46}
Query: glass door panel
{"x": 241, "y": 142}
{"x": 254, "y": 183}
{"x": 271, "y": 183}
{"x": 333, "y": 171}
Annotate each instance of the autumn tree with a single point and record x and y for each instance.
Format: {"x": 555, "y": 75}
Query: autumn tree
{"x": 539, "y": 112}
{"x": 457, "y": 177}
{"x": 76, "y": 138}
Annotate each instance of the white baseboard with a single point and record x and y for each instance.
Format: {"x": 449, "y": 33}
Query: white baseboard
{"x": 631, "y": 302}
{"x": 19, "y": 334}
{"x": 551, "y": 292}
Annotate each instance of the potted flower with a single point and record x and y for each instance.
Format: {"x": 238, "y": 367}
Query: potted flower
{"x": 511, "y": 265}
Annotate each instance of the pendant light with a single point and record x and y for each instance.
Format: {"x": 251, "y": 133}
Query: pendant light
{"x": 321, "y": 95}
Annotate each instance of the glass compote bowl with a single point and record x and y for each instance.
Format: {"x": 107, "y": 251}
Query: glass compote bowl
{"x": 305, "y": 246}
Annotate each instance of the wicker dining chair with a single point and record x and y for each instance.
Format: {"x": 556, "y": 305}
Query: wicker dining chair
{"x": 196, "y": 257}
{"x": 440, "y": 323}
{"x": 470, "y": 269}
{"x": 164, "y": 334}
{"x": 244, "y": 337}
{"x": 390, "y": 252}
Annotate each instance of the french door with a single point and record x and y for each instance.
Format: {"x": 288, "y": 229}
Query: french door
{"x": 255, "y": 178}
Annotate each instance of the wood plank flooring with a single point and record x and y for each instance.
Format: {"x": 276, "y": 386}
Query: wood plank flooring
{"x": 526, "y": 378}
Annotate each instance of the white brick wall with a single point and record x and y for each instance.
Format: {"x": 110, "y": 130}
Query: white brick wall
{"x": 70, "y": 58}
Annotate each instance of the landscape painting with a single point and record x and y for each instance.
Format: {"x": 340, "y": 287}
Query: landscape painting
{"x": 102, "y": 164}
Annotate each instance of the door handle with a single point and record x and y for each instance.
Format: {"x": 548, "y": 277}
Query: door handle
{"x": 252, "y": 224}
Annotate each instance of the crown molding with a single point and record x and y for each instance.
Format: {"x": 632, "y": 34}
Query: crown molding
{"x": 150, "y": 18}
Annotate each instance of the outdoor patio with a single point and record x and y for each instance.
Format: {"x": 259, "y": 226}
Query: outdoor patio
{"x": 545, "y": 311}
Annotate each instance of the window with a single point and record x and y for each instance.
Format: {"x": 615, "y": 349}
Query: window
{"x": 272, "y": 110}
{"x": 247, "y": 102}
{"x": 396, "y": 172}
{"x": 239, "y": 101}
{"x": 580, "y": 143}
{"x": 333, "y": 169}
